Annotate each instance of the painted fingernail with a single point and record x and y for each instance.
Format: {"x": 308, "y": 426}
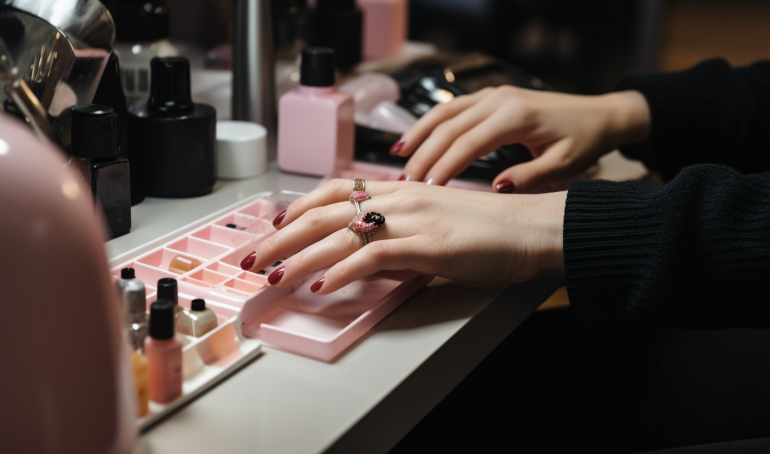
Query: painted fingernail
{"x": 505, "y": 187}
{"x": 404, "y": 177}
{"x": 276, "y": 276}
{"x": 317, "y": 285}
{"x": 397, "y": 146}
{"x": 278, "y": 219}
{"x": 430, "y": 181}
{"x": 248, "y": 262}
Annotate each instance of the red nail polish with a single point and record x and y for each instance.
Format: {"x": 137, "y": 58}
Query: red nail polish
{"x": 248, "y": 262}
{"x": 397, "y": 146}
{"x": 317, "y": 285}
{"x": 276, "y": 276}
{"x": 404, "y": 177}
{"x": 278, "y": 219}
{"x": 505, "y": 187}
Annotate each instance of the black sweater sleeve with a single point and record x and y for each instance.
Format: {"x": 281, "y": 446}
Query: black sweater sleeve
{"x": 711, "y": 113}
{"x": 694, "y": 252}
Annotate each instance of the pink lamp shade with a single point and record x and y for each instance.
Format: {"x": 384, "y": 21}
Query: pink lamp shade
{"x": 65, "y": 380}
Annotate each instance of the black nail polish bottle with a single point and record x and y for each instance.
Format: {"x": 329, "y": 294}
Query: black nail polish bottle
{"x": 94, "y": 150}
{"x": 110, "y": 93}
{"x": 173, "y": 140}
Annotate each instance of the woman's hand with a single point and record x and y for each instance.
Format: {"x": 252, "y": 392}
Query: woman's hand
{"x": 566, "y": 134}
{"x": 462, "y": 235}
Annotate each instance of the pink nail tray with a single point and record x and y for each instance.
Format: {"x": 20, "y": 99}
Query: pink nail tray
{"x": 252, "y": 312}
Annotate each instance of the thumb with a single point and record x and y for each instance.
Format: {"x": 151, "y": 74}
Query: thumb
{"x": 550, "y": 167}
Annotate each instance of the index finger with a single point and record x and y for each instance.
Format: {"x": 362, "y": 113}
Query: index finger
{"x": 337, "y": 190}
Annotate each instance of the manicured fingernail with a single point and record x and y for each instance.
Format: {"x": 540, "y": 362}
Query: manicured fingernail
{"x": 276, "y": 276}
{"x": 317, "y": 285}
{"x": 404, "y": 177}
{"x": 248, "y": 262}
{"x": 505, "y": 187}
{"x": 278, "y": 219}
{"x": 430, "y": 181}
{"x": 397, "y": 146}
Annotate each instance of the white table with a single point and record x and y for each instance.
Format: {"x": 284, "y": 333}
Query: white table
{"x": 369, "y": 398}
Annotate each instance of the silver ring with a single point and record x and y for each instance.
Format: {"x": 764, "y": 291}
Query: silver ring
{"x": 359, "y": 184}
{"x": 357, "y": 197}
{"x": 366, "y": 225}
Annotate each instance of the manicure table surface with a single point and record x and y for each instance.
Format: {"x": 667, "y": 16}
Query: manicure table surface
{"x": 366, "y": 400}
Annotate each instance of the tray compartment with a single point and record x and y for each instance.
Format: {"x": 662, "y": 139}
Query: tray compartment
{"x": 160, "y": 261}
{"x": 254, "y": 278}
{"x": 206, "y": 278}
{"x": 241, "y": 221}
{"x": 197, "y": 247}
{"x": 223, "y": 268}
{"x": 217, "y": 234}
{"x": 260, "y": 209}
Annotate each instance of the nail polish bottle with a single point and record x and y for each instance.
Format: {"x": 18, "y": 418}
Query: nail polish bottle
{"x": 174, "y": 144}
{"x": 315, "y": 122}
{"x": 94, "y": 148}
{"x": 141, "y": 382}
{"x": 141, "y": 33}
{"x": 385, "y": 23}
{"x": 164, "y": 354}
{"x": 168, "y": 291}
{"x": 197, "y": 321}
{"x": 338, "y": 24}
{"x": 110, "y": 93}
{"x": 134, "y": 307}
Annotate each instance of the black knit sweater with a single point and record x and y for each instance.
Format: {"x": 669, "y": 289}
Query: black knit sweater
{"x": 694, "y": 252}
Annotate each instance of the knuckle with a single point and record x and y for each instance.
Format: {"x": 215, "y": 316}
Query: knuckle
{"x": 445, "y": 128}
{"x": 313, "y": 217}
{"x": 378, "y": 251}
{"x": 269, "y": 245}
{"x": 338, "y": 184}
{"x": 345, "y": 239}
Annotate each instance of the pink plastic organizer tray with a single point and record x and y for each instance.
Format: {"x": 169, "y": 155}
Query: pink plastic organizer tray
{"x": 250, "y": 310}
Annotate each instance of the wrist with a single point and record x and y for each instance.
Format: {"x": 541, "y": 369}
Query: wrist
{"x": 550, "y": 214}
{"x": 628, "y": 117}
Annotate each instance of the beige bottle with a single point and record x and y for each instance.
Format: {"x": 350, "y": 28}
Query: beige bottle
{"x": 197, "y": 321}
{"x": 141, "y": 381}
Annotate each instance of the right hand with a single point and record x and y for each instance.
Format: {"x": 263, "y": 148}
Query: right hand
{"x": 566, "y": 134}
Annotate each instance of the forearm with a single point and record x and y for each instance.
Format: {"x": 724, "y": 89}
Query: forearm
{"x": 711, "y": 113}
{"x": 694, "y": 252}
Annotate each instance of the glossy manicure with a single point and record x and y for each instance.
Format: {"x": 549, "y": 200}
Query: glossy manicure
{"x": 276, "y": 276}
{"x": 404, "y": 177}
{"x": 278, "y": 219}
{"x": 248, "y": 262}
{"x": 317, "y": 285}
{"x": 397, "y": 146}
{"x": 505, "y": 187}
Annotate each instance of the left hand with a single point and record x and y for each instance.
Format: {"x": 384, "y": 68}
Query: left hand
{"x": 462, "y": 235}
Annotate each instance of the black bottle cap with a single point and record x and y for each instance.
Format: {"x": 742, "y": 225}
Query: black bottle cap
{"x": 170, "y": 86}
{"x": 109, "y": 92}
{"x": 94, "y": 132}
{"x": 317, "y": 67}
{"x": 338, "y": 24}
{"x": 127, "y": 273}
{"x": 293, "y": 5}
{"x": 167, "y": 290}
{"x": 198, "y": 305}
{"x": 139, "y": 20}
{"x": 162, "y": 320}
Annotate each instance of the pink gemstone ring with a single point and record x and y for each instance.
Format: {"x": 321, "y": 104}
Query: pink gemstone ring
{"x": 357, "y": 197}
{"x": 366, "y": 224}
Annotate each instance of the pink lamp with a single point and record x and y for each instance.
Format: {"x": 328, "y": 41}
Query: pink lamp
{"x": 65, "y": 380}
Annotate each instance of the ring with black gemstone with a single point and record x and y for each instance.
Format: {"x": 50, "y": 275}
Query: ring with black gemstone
{"x": 366, "y": 225}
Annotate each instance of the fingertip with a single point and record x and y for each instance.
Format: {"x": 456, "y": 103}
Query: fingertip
{"x": 398, "y": 146}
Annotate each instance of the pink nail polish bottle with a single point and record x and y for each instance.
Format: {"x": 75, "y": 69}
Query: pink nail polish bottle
{"x": 164, "y": 354}
{"x": 384, "y": 27}
{"x": 315, "y": 122}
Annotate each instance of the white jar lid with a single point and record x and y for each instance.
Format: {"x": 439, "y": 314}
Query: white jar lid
{"x": 241, "y": 149}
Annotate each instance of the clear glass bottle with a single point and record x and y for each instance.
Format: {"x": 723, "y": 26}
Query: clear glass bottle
{"x": 197, "y": 321}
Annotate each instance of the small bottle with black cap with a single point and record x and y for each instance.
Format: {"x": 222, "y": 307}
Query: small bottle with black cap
{"x": 198, "y": 321}
{"x": 173, "y": 144}
{"x": 338, "y": 24}
{"x": 94, "y": 150}
{"x": 315, "y": 122}
{"x": 133, "y": 295}
{"x": 141, "y": 33}
{"x": 164, "y": 354}
{"x": 168, "y": 290}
